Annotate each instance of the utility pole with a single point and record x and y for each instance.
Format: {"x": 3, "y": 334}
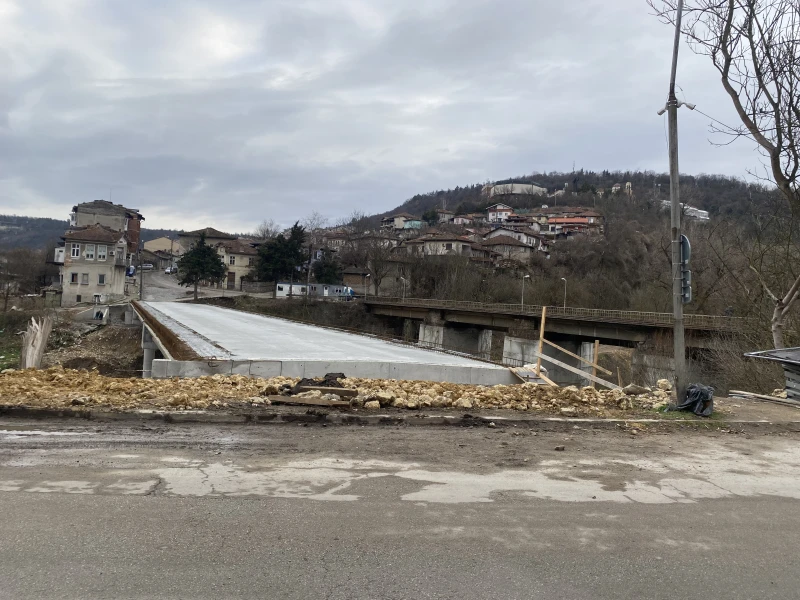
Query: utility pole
{"x": 308, "y": 273}
{"x": 675, "y": 219}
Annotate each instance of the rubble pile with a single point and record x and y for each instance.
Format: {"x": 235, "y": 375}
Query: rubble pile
{"x": 570, "y": 400}
{"x": 58, "y": 387}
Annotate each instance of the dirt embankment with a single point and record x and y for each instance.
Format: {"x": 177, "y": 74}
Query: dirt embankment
{"x": 111, "y": 350}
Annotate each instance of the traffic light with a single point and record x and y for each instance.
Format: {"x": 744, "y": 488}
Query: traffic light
{"x": 686, "y": 274}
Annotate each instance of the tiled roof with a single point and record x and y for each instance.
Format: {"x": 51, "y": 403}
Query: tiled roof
{"x": 504, "y": 240}
{"x": 94, "y": 233}
{"x": 238, "y": 246}
{"x": 209, "y": 232}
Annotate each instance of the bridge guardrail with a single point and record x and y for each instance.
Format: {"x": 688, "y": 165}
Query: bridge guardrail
{"x": 691, "y": 321}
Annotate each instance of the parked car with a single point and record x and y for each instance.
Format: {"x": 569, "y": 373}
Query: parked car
{"x": 170, "y": 270}
{"x": 147, "y": 267}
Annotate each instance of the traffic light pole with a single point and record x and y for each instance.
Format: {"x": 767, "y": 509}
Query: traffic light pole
{"x": 675, "y": 221}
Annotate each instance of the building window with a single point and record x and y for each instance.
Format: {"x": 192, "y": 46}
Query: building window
{"x": 250, "y": 262}
{"x": 232, "y": 260}
{"x": 84, "y": 279}
{"x": 89, "y": 251}
{"x": 101, "y": 279}
{"x": 73, "y": 278}
{"x": 102, "y": 252}
{"x": 280, "y": 288}
{"x": 78, "y": 298}
{"x": 448, "y": 246}
{"x": 75, "y": 251}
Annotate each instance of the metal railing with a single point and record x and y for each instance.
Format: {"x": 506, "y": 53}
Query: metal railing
{"x": 628, "y": 317}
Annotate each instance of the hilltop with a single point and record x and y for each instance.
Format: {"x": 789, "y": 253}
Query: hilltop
{"x": 718, "y": 194}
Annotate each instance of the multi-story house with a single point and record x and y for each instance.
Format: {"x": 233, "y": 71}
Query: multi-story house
{"x": 498, "y": 213}
{"x": 96, "y": 252}
{"x": 239, "y": 256}
{"x": 93, "y": 263}
{"x": 112, "y": 216}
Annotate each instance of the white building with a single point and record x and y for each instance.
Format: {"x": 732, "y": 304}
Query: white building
{"x": 498, "y": 213}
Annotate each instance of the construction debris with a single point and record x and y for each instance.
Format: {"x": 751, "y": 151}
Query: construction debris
{"x": 59, "y": 387}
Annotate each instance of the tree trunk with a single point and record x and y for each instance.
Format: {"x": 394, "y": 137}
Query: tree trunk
{"x": 777, "y": 326}
{"x": 195, "y": 290}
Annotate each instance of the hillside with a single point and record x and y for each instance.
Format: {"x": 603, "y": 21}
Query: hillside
{"x": 29, "y": 232}
{"x": 35, "y": 232}
{"x": 719, "y": 195}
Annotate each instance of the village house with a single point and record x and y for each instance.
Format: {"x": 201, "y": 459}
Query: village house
{"x": 239, "y": 256}
{"x": 527, "y": 236}
{"x": 213, "y": 236}
{"x": 164, "y": 244}
{"x": 96, "y": 252}
{"x": 398, "y": 222}
{"x": 113, "y": 216}
{"x": 93, "y": 264}
{"x": 444, "y": 215}
{"x": 498, "y": 213}
{"x": 509, "y": 248}
{"x": 462, "y": 220}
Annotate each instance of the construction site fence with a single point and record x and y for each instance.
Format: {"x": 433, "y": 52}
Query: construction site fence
{"x": 690, "y": 321}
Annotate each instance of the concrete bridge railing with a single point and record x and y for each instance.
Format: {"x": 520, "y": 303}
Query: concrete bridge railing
{"x": 648, "y": 319}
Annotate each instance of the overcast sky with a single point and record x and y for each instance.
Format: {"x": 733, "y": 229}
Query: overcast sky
{"x": 224, "y": 113}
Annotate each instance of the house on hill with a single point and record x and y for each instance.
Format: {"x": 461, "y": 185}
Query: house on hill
{"x": 398, "y": 222}
{"x": 498, "y": 213}
{"x": 508, "y": 247}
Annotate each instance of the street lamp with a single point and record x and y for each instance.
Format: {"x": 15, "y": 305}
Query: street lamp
{"x": 366, "y": 289}
{"x": 403, "y": 279}
{"x": 565, "y": 291}
{"x": 522, "y": 301}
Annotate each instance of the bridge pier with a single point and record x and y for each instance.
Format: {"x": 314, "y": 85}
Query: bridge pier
{"x": 149, "y": 347}
{"x": 470, "y": 340}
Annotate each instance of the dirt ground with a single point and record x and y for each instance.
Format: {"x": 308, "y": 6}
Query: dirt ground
{"x": 111, "y": 350}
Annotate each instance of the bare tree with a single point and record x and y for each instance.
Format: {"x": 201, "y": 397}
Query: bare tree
{"x": 21, "y": 271}
{"x": 378, "y": 254}
{"x": 267, "y": 230}
{"x": 755, "y": 47}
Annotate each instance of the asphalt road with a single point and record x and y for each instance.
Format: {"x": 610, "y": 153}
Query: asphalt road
{"x": 104, "y": 511}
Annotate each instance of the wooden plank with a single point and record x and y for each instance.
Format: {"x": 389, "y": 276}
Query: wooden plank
{"x": 529, "y": 375}
{"x": 594, "y": 366}
{"x": 577, "y": 371}
{"x": 343, "y": 392}
{"x": 541, "y": 339}
{"x": 307, "y": 401}
{"x": 754, "y": 396}
{"x": 595, "y": 358}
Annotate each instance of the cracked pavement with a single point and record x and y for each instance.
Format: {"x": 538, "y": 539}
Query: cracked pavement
{"x": 143, "y": 511}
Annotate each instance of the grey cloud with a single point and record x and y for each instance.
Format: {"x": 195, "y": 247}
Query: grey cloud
{"x": 198, "y": 111}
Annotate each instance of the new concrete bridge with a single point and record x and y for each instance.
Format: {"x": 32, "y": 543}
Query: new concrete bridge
{"x": 197, "y": 339}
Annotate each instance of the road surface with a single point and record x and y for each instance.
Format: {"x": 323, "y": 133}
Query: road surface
{"x": 143, "y": 511}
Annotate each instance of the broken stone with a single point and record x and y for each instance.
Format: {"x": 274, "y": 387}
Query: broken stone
{"x": 372, "y": 405}
{"x": 491, "y": 424}
{"x": 569, "y": 412}
{"x": 560, "y": 448}
{"x": 664, "y": 385}
{"x": 635, "y": 390}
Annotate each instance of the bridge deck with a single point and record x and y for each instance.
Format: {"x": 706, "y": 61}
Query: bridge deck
{"x": 645, "y": 319}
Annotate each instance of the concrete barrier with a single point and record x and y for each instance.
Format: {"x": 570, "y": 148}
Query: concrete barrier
{"x": 478, "y": 375}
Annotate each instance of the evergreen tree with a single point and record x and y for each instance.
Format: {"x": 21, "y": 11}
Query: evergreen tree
{"x": 200, "y": 263}
{"x": 280, "y": 256}
{"x": 327, "y": 269}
